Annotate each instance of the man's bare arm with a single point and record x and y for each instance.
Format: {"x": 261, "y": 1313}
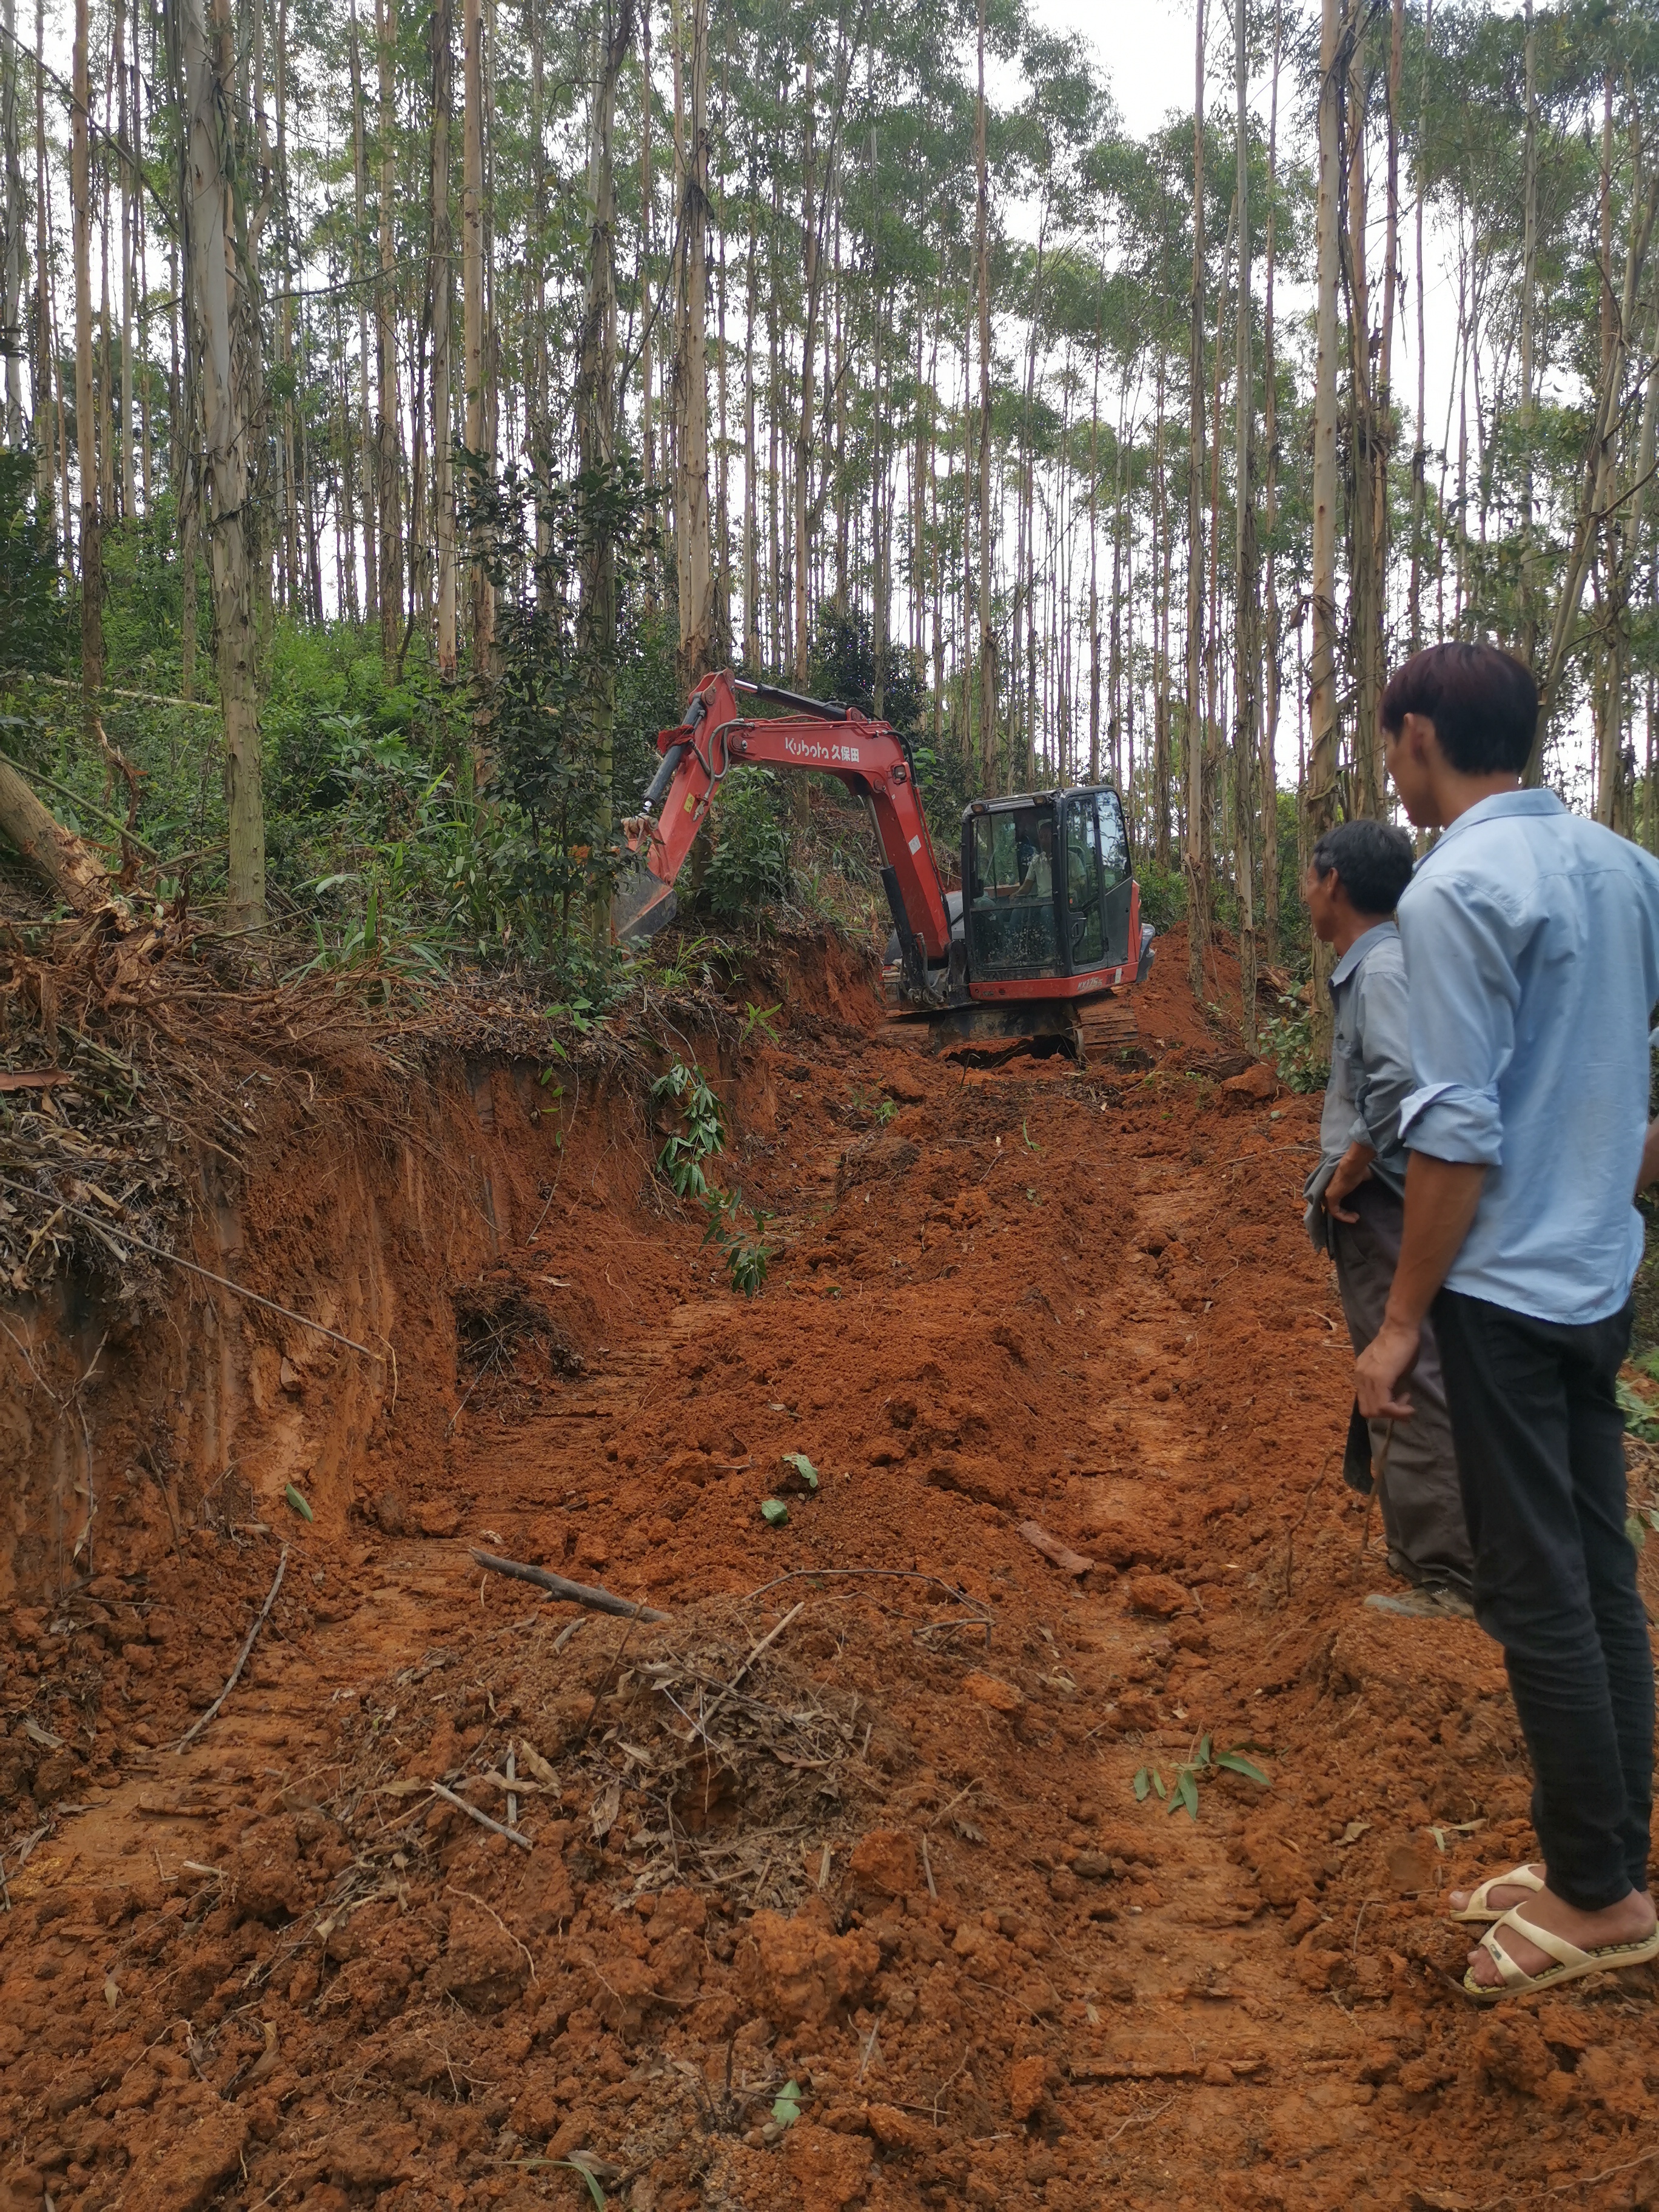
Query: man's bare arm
{"x": 1649, "y": 1158}
{"x": 1440, "y": 1199}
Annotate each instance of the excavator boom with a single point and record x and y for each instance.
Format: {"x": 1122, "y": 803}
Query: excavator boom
{"x": 716, "y": 735}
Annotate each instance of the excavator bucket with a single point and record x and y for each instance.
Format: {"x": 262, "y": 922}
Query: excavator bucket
{"x": 641, "y": 905}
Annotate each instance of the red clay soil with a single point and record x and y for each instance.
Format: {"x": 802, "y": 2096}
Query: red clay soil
{"x": 894, "y": 1856}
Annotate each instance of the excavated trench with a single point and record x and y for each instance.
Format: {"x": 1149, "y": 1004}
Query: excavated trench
{"x": 860, "y": 1814}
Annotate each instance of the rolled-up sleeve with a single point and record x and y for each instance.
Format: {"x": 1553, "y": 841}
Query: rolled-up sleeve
{"x": 1383, "y": 1028}
{"x": 1463, "y": 995}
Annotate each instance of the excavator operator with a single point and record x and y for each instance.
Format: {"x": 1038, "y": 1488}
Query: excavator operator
{"x": 1038, "y": 880}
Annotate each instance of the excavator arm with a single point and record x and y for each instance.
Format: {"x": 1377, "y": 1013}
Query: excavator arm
{"x": 716, "y": 735}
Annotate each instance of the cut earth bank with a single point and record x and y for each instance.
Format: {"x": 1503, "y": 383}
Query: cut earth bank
{"x": 895, "y": 1858}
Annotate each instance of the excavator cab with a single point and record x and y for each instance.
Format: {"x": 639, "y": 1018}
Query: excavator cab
{"x": 1047, "y": 888}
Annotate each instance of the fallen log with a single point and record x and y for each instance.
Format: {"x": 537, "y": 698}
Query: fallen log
{"x": 596, "y": 1600}
{"x": 54, "y": 852}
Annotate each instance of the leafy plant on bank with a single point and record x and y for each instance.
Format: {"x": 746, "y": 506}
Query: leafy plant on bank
{"x": 700, "y": 1139}
{"x": 1182, "y": 1789}
{"x": 1287, "y": 1038}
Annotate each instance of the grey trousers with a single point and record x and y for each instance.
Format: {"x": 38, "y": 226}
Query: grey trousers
{"x": 1422, "y": 1505}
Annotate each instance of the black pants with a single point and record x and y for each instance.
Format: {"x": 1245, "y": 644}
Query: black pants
{"x": 1541, "y": 1457}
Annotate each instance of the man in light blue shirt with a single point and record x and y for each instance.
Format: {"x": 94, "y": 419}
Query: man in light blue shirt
{"x": 1531, "y": 940}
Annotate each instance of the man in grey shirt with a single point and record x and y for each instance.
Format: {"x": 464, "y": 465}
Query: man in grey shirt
{"x": 1356, "y": 1208}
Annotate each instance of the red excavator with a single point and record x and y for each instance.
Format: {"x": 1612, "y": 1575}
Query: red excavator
{"x": 1033, "y": 949}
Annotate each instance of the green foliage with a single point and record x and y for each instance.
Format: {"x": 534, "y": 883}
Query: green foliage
{"x": 1295, "y": 933}
{"x": 747, "y": 1257}
{"x": 1181, "y": 1792}
{"x": 682, "y": 1161}
{"x": 843, "y": 667}
{"x": 1162, "y": 893}
{"x": 1287, "y": 1038}
{"x": 1640, "y": 1418}
{"x": 750, "y": 864}
{"x": 556, "y": 548}
{"x": 34, "y": 628}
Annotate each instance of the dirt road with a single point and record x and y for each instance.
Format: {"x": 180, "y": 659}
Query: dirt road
{"x": 895, "y": 1856}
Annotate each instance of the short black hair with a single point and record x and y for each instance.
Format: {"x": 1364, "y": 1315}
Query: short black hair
{"x": 1373, "y": 862}
{"x": 1482, "y": 703}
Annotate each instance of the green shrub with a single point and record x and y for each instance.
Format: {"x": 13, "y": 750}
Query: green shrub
{"x": 749, "y": 866}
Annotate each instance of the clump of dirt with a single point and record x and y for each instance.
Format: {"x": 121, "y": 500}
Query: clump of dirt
{"x": 495, "y": 1321}
{"x": 91, "y": 1684}
{"x": 718, "y": 1748}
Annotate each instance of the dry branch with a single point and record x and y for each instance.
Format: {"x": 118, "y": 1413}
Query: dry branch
{"x": 192, "y": 1732}
{"x": 483, "y": 1820}
{"x": 597, "y": 1600}
{"x": 156, "y": 1252}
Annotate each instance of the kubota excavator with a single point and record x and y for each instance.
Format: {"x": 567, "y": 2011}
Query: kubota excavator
{"x": 1033, "y": 949}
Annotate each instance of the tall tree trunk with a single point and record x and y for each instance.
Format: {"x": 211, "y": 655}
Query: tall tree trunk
{"x": 596, "y": 399}
{"x": 292, "y": 449}
{"x": 14, "y": 246}
{"x": 359, "y": 255}
{"x": 691, "y": 516}
{"x": 1364, "y": 436}
{"x": 1625, "y": 536}
{"x": 1163, "y": 586}
{"x": 751, "y": 645}
{"x": 443, "y": 369}
{"x": 536, "y": 370}
{"x": 1196, "y": 857}
{"x": 125, "y": 413}
{"x": 1527, "y": 640}
{"x": 45, "y": 439}
{"x": 1246, "y": 648}
{"x": 647, "y": 334}
{"x": 104, "y": 390}
{"x": 386, "y": 327}
{"x": 1271, "y": 681}
{"x": 721, "y": 621}
{"x": 1094, "y": 550}
{"x": 1320, "y": 808}
{"x": 1420, "y": 450}
{"x": 1596, "y": 468}
{"x": 988, "y": 641}
{"x": 473, "y": 341}
{"x": 91, "y": 546}
{"x": 208, "y": 223}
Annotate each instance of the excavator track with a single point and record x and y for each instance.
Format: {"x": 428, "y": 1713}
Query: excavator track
{"x": 1097, "y": 1030}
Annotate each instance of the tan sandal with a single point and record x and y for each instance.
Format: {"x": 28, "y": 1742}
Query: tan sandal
{"x": 1571, "y": 1961}
{"x": 1480, "y": 1909}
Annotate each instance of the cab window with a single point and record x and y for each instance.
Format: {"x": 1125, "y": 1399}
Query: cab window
{"x": 1012, "y": 925}
{"x": 1086, "y": 924}
{"x": 1113, "y": 839}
